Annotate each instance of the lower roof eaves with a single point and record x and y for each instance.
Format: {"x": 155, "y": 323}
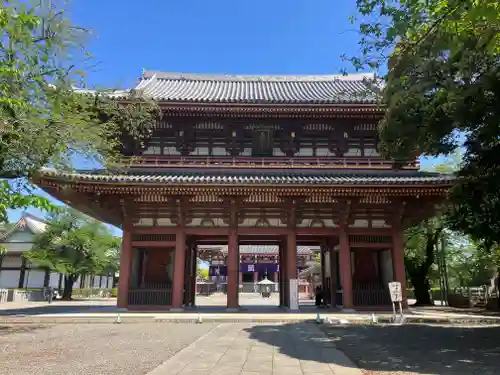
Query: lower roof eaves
{"x": 145, "y": 177}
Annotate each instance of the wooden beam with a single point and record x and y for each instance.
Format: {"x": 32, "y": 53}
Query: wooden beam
{"x": 153, "y": 243}
{"x": 370, "y": 245}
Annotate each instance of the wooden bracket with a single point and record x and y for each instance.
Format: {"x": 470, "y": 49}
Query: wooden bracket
{"x": 399, "y": 212}
{"x": 345, "y": 212}
{"x": 292, "y": 213}
{"x": 233, "y": 213}
{"x": 181, "y": 208}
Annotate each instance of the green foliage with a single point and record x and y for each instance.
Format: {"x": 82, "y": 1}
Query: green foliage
{"x": 74, "y": 244}
{"x": 133, "y": 123}
{"x": 203, "y": 273}
{"x": 443, "y": 78}
{"x": 11, "y": 198}
{"x": 469, "y": 265}
{"x": 44, "y": 121}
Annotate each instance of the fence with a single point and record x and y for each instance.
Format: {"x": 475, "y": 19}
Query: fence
{"x": 4, "y": 294}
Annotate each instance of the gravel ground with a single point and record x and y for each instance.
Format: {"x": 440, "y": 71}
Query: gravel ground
{"x": 420, "y": 349}
{"x": 92, "y": 349}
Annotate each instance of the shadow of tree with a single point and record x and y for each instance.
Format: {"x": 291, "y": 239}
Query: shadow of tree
{"x": 412, "y": 348}
{"x": 302, "y": 341}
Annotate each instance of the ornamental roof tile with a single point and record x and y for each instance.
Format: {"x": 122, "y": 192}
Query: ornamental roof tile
{"x": 258, "y": 89}
{"x": 203, "y": 177}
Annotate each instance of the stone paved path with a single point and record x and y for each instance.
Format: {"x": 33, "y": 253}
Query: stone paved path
{"x": 253, "y": 349}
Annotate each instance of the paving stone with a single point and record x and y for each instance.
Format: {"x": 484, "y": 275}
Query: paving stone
{"x": 247, "y": 349}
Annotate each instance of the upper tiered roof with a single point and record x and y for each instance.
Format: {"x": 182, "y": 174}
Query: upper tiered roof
{"x": 257, "y": 89}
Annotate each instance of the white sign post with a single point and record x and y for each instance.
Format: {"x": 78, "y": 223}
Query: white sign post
{"x": 294, "y": 294}
{"x": 396, "y": 297}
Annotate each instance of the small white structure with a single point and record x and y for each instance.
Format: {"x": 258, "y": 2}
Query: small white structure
{"x": 16, "y": 272}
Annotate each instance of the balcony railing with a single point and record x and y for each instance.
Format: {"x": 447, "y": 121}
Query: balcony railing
{"x": 354, "y": 162}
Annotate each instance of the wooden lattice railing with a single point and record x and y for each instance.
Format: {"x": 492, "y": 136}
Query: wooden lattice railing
{"x": 150, "y": 295}
{"x": 353, "y": 162}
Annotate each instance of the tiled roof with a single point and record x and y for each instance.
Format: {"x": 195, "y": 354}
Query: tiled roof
{"x": 289, "y": 89}
{"x": 33, "y": 223}
{"x": 340, "y": 177}
{"x": 258, "y": 249}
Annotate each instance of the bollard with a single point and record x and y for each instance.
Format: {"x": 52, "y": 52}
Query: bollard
{"x": 118, "y": 319}
{"x": 199, "y": 320}
{"x": 318, "y": 318}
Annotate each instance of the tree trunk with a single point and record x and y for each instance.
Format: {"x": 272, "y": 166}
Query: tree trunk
{"x": 69, "y": 280}
{"x": 422, "y": 294}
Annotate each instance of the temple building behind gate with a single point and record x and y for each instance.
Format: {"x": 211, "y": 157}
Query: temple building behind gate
{"x": 284, "y": 161}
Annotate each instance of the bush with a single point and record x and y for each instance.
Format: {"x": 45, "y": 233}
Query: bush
{"x": 114, "y": 292}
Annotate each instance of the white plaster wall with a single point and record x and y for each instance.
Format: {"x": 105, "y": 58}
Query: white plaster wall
{"x": 144, "y": 222}
{"x": 200, "y": 151}
{"x": 54, "y": 280}
{"x": 171, "y": 151}
{"x": 152, "y": 150}
{"x": 324, "y": 152}
{"x": 380, "y": 224}
{"x": 305, "y": 152}
{"x": 34, "y": 278}
{"x": 313, "y": 223}
{"x": 162, "y": 222}
{"x": 21, "y": 236}
{"x": 252, "y": 223}
{"x": 359, "y": 223}
{"x": 353, "y": 152}
{"x": 278, "y": 152}
{"x": 77, "y": 284}
{"x": 219, "y": 151}
{"x": 9, "y": 279}
{"x": 371, "y": 152}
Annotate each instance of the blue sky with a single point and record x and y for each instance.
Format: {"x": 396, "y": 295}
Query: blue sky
{"x": 218, "y": 36}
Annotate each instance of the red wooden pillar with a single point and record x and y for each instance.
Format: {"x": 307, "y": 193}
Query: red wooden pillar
{"x": 398, "y": 262}
{"x": 345, "y": 267}
{"x": 333, "y": 275}
{"x": 125, "y": 266}
{"x": 282, "y": 274}
{"x": 233, "y": 270}
{"x": 255, "y": 276}
{"x": 179, "y": 267}
{"x": 291, "y": 263}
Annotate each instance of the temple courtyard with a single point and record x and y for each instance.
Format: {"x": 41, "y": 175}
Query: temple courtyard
{"x": 247, "y": 348}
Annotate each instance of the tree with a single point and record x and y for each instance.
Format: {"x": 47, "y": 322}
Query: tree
{"x": 420, "y": 254}
{"x": 43, "y": 119}
{"x": 442, "y": 80}
{"x": 469, "y": 265}
{"x": 73, "y": 245}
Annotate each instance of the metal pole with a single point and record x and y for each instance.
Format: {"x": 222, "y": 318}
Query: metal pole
{"x": 445, "y": 268}
{"x": 440, "y": 272}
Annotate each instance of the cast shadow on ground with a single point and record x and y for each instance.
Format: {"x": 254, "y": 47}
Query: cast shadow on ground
{"x": 56, "y": 308}
{"x": 412, "y": 348}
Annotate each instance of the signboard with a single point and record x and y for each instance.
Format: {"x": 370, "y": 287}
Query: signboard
{"x": 294, "y": 294}
{"x": 395, "y": 291}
